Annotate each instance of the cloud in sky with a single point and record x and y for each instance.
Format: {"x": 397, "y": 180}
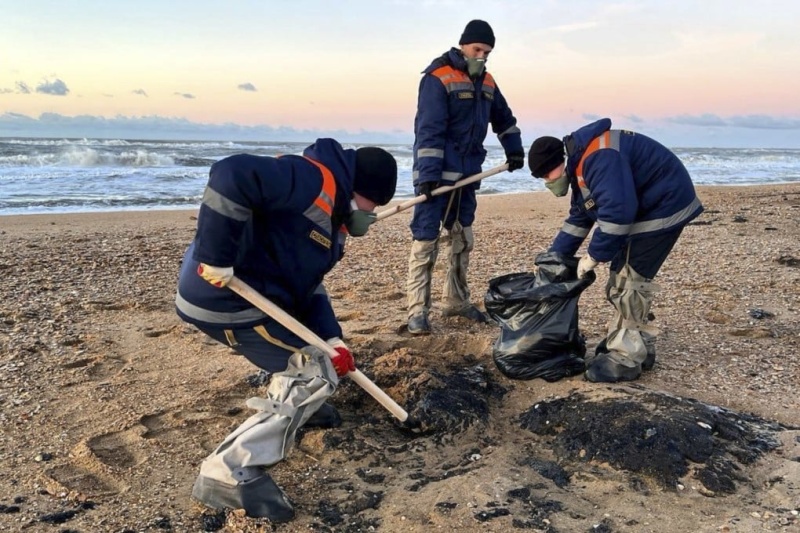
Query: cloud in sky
{"x": 157, "y": 127}
{"x": 634, "y": 118}
{"x": 705, "y": 130}
{"x": 759, "y": 122}
{"x": 765, "y": 122}
{"x": 22, "y": 87}
{"x": 6, "y": 91}
{"x": 247, "y": 87}
{"x": 55, "y": 87}
{"x": 188, "y": 96}
{"x": 140, "y": 92}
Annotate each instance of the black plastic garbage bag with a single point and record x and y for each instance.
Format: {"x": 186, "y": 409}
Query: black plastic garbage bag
{"x": 538, "y": 314}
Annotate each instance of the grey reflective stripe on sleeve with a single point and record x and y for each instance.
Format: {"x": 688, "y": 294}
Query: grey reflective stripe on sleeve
{"x": 216, "y": 317}
{"x": 459, "y": 86}
{"x": 430, "y": 152}
{"x": 446, "y": 176}
{"x": 225, "y": 207}
{"x": 321, "y": 289}
{"x": 319, "y": 217}
{"x": 614, "y": 140}
{"x": 667, "y": 222}
{"x": 509, "y": 131}
{"x": 575, "y": 231}
{"x": 610, "y": 228}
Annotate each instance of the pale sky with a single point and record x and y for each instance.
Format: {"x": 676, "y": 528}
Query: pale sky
{"x": 688, "y": 72}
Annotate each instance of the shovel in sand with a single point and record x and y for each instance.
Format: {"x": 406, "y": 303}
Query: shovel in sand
{"x": 440, "y": 190}
{"x": 282, "y": 317}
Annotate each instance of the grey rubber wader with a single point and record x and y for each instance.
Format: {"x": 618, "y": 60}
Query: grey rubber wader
{"x": 630, "y": 344}
{"x": 420, "y": 274}
{"x": 456, "y": 246}
{"x": 234, "y": 475}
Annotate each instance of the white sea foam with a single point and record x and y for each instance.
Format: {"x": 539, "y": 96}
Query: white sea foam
{"x": 60, "y": 175}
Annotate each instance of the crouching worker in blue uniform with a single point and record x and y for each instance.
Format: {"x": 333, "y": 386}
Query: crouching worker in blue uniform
{"x": 278, "y": 224}
{"x": 640, "y": 197}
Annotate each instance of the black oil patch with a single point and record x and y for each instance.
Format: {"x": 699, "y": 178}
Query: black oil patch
{"x": 454, "y": 402}
{"x": 655, "y": 435}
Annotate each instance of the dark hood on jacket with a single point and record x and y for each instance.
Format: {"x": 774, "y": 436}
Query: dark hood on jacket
{"x": 452, "y": 57}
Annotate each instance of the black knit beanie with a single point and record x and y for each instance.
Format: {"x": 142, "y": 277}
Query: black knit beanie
{"x": 477, "y": 31}
{"x": 376, "y": 174}
{"x": 546, "y": 153}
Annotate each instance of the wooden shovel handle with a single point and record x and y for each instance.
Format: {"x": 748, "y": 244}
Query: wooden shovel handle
{"x": 440, "y": 190}
{"x": 282, "y": 317}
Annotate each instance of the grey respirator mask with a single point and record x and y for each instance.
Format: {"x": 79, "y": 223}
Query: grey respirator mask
{"x": 475, "y": 66}
{"x": 360, "y": 220}
{"x": 560, "y": 185}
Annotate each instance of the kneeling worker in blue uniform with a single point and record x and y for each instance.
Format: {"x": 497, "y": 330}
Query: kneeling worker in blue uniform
{"x": 279, "y": 224}
{"x": 640, "y": 197}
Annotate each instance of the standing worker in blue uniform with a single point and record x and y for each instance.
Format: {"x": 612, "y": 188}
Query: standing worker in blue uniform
{"x": 458, "y": 99}
{"x": 279, "y": 224}
{"x": 640, "y": 197}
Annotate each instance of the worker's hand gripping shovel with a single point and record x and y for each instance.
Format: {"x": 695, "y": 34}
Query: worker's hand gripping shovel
{"x": 440, "y": 190}
{"x": 254, "y": 297}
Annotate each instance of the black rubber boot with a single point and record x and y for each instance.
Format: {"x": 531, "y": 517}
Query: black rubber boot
{"x": 260, "y": 497}
{"x": 650, "y": 360}
{"x": 326, "y": 417}
{"x": 610, "y": 368}
{"x": 419, "y": 325}
{"x": 471, "y": 312}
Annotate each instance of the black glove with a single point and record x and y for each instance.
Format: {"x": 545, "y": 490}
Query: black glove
{"x": 427, "y": 188}
{"x": 515, "y": 160}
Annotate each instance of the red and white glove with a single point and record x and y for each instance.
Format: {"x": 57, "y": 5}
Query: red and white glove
{"x": 217, "y": 276}
{"x": 343, "y": 361}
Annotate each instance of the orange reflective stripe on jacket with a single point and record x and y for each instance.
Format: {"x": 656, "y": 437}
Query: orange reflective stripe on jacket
{"x": 598, "y": 143}
{"x": 453, "y": 79}
{"x": 608, "y": 139}
{"x": 327, "y": 196}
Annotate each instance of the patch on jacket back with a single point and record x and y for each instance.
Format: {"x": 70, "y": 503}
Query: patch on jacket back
{"x": 320, "y": 238}
{"x": 465, "y": 95}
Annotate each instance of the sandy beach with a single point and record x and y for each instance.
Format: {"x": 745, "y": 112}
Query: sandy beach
{"x": 110, "y": 402}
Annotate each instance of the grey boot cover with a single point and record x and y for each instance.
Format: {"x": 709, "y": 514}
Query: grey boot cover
{"x": 628, "y": 332}
{"x": 456, "y": 246}
{"x": 266, "y": 437}
{"x": 420, "y": 274}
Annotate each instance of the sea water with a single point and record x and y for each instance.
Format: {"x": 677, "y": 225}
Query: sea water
{"x": 85, "y": 175}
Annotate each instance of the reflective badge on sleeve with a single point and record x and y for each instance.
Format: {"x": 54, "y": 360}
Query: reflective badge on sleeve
{"x": 320, "y": 238}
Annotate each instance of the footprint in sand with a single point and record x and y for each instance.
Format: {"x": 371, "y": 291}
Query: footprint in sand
{"x": 79, "y": 479}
